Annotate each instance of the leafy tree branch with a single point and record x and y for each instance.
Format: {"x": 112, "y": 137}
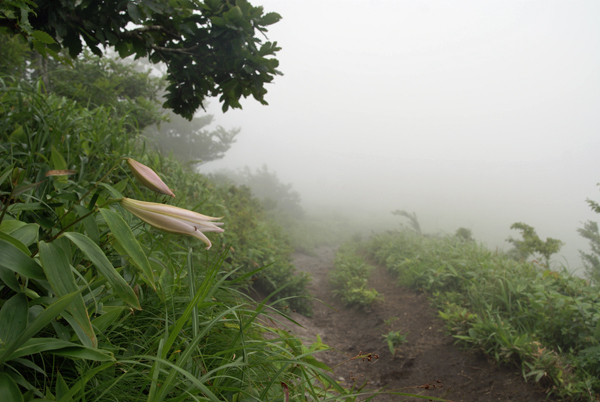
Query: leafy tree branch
{"x": 210, "y": 48}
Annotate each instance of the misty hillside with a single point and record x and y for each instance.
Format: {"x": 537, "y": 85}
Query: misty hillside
{"x": 215, "y": 200}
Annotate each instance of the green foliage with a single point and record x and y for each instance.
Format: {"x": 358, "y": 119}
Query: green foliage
{"x": 532, "y": 244}
{"x": 390, "y": 321}
{"x": 591, "y": 261}
{"x": 123, "y": 88}
{"x": 265, "y": 185}
{"x": 395, "y": 339}
{"x": 211, "y": 48}
{"x": 75, "y": 270}
{"x": 305, "y": 230}
{"x": 464, "y": 234}
{"x": 412, "y": 219}
{"x": 14, "y": 54}
{"x": 189, "y": 141}
{"x": 350, "y": 276}
{"x": 547, "y": 322}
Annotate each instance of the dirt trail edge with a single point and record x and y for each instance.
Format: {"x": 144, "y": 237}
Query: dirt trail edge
{"x": 429, "y": 355}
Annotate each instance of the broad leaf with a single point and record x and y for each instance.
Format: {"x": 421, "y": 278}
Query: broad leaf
{"x": 43, "y": 319}
{"x": 9, "y": 390}
{"x": 13, "y": 318}
{"x": 105, "y": 320}
{"x": 58, "y": 272}
{"x": 89, "y": 223}
{"x": 27, "y": 234}
{"x": 8, "y": 277}
{"x": 97, "y": 257}
{"x": 13, "y": 258}
{"x": 122, "y": 232}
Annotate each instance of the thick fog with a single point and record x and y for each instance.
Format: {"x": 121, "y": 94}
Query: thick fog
{"x": 470, "y": 113}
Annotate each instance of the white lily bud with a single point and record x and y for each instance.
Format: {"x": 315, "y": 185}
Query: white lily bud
{"x": 173, "y": 219}
{"x": 148, "y": 177}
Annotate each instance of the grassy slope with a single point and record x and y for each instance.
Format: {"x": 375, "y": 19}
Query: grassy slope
{"x": 171, "y": 349}
{"x": 545, "y": 321}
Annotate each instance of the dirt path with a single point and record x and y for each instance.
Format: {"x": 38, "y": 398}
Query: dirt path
{"x": 429, "y": 356}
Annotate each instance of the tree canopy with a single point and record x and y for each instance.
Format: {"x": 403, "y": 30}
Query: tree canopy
{"x": 210, "y": 48}
{"x": 591, "y": 261}
{"x": 532, "y": 243}
{"x": 191, "y": 141}
{"x": 95, "y": 81}
{"x": 266, "y": 186}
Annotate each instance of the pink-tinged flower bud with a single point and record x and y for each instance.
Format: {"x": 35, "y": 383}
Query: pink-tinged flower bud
{"x": 148, "y": 177}
{"x": 172, "y": 219}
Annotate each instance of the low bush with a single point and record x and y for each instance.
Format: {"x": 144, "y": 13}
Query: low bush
{"x": 350, "y": 276}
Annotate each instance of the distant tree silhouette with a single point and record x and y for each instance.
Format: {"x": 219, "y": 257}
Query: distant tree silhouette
{"x": 412, "y": 218}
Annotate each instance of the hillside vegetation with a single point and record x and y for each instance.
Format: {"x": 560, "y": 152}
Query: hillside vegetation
{"x": 546, "y": 322}
{"x": 97, "y": 305}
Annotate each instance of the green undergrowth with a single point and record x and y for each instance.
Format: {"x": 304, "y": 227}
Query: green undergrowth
{"x": 350, "y": 276}
{"x": 95, "y": 305}
{"x": 546, "y": 322}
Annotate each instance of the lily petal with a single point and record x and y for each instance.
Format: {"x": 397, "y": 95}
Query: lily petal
{"x": 173, "y": 219}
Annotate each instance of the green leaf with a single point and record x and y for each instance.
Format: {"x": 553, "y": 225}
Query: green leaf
{"x": 134, "y": 13}
{"x": 8, "y": 277}
{"x": 43, "y": 319}
{"x": 11, "y": 225}
{"x": 9, "y": 390}
{"x": 89, "y": 223}
{"x": 26, "y": 206}
{"x": 13, "y": 258}
{"x": 13, "y": 318}
{"x": 22, "y": 189}
{"x": 97, "y": 257}
{"x": 123, "y": 50}
{"x": 58, "y": 272}
{"x": 107, "y": 319}
{"x": 234, "y": 14}
{"x": 15, "y": 242}
{"x": 43, "y": 37}
{"x": 27, "y": 234}
{"x": 57, "y": 160}
{"x": 61, "y": 387}
{"x": 113, "y": 191}
{"x": 269, "y": 18}
{"x": 5, "y": 173}
{"x": 127, "y": 240}
{"x": 80, "y": 352}
{"x": 61, "y": 348}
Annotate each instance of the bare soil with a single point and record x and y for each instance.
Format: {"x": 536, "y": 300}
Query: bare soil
{"x": 428, "y": 364}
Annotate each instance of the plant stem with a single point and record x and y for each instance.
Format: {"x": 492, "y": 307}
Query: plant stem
{"x": 77, "y": 221}
{"x": 82, "y": 198}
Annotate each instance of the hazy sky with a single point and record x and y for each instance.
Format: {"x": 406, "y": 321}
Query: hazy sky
{"x": 470, "y": 113}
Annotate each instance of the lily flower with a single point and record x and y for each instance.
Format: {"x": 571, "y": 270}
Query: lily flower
{"x": 148, "y": 177}
{"x": 173, "y": 219}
